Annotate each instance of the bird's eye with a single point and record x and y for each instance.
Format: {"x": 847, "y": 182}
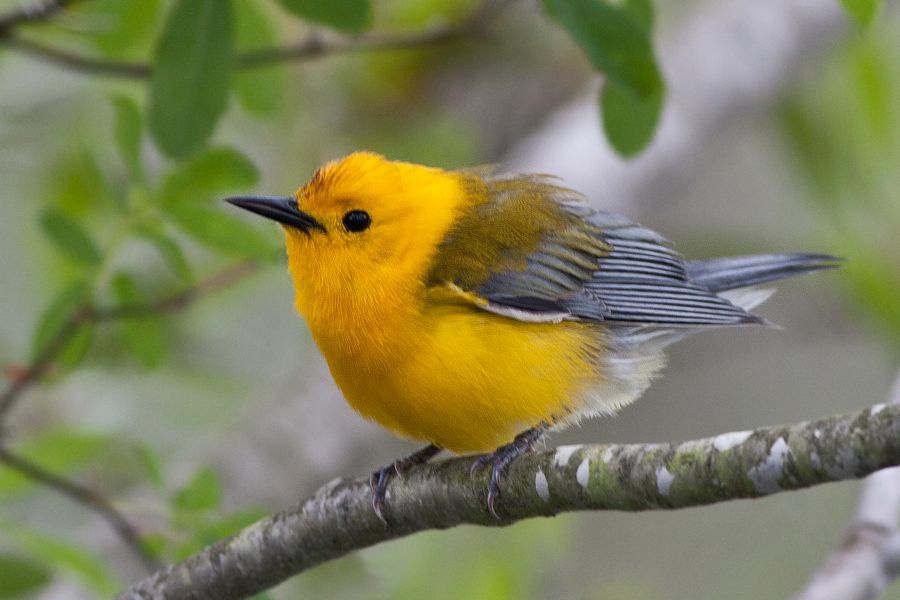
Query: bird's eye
{"x": 357, "y": 220}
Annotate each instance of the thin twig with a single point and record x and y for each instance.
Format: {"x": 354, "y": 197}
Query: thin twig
{"x": 179, "y": 301}
{"x": 91, "y": 500}
{"x": 85, "y": 315}
{"x": 315, "y": 46}
{"x": 339, "y": 519}
{"x": 32, "y": 13}
{"x": 39, "y": 366}
{"x": 73, "y": 61}
{"x": 85, "y": 496}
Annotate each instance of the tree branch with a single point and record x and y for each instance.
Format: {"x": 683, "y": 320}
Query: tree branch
{"x": 75, "y": 62}
{"x": 223, "y": 279}
{"x": 868, "y": 557}
{"x": 31, "y": 13}
{"x": 91, "y": 500}
{"x": 314, "y": 46}
{"x": 38, "y": 367}
{"x": 87, "y": 497}
{"x": 85, "y": 315}
{"x": 339, "y": 519}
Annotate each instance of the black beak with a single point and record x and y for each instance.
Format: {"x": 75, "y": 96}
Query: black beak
{"x": 283, "y": 209}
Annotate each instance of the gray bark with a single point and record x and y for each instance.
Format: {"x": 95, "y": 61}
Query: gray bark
{"x": 339, "y": 519}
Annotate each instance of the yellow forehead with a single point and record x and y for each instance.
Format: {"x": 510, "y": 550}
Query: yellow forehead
{"x": 368, "y": 180}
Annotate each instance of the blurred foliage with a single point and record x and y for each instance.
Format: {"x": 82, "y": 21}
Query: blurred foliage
{"x": 617, "y": 39}
{"x": 129, "y": 211}
{"x": 195, "y": 514}
{"x": 125, "y": 25}
{"x": 260, "y": 90}
{"x": 347, "y": 15}
{"x": 191, "y": 73}
{"x": 60, "y": 451}
{"x": 67, "y": 559}
{"x": 845, "y": 131}
{"x": 19, "y": 576}
{"x": 862, "y": 11}
{"x": 194, "y": 66}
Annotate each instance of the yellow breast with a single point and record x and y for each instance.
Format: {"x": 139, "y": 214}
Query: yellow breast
{"x": 411, "y": 357}
{"x": 467, "y": 380}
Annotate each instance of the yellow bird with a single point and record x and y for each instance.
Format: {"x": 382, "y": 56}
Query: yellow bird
{"x": 473, "y": 310}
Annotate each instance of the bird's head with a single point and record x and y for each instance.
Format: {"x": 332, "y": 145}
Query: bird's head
{"x": 362, "y": 220}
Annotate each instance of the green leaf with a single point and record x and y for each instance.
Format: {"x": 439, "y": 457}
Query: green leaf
{"x": 169, "y": 250}
{"x": 70, "y": 238}
{"x": 150, "y": 465}
{"x": 259, "y": 89}
{"x": 77, "y": 349}
{"x": 208, "y": 175}
{"x": 873, "y": 279}
{"x": 20, "y": 576}
{"x": 862, "y": 11}
{"x": 629, "y": 120}
{"x": 144, "y": 336}
{"x": 816, "y": 152}
{"x": 60, "y": 451}
{"x": 346, "y": 15}
{"x": 76, "y": 184}
{"x": 202, "y": 492}
{"x": 191, "y": 71}
{"x": 122, "y": 25}
{"x": 158, "y": 543}
{"x": 614, "y": 38}
{"x": 94, "y": 572}
{"x": 641, "y": 11}
{"x": 57, "y": 315}
{"x": 127, "y": 131}
{"x": 875, "y": 84}
{"x": 224, "y": 233}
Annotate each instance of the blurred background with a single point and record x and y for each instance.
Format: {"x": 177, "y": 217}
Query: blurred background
{"x": 780, "y": 131}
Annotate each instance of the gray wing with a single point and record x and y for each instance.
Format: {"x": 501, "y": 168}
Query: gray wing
{"x": 644, "y": 281}
{"x": 535, "y": 252}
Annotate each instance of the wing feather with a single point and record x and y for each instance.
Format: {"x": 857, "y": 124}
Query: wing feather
{"x": 533, "y": 251}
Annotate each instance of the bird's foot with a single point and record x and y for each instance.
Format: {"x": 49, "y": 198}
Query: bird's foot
{"x": 380, "y": 478}
{"x": 502, "y": 457}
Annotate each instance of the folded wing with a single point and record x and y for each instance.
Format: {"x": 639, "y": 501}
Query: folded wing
{"x": 531, "y": 250}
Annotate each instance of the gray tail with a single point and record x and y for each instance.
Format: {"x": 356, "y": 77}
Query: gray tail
{"x": 732, "y": 272}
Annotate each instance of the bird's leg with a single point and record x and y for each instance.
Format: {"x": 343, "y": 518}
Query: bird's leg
{"x": 380, "y": 478}
{"x": 501, "y": 458}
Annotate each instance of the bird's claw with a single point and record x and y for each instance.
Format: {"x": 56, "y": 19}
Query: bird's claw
{"x": 379, "y": 479}
{"x": 378, "y": 482}
{"x": 499, "y": 461}
{"x": 501, "y": 458}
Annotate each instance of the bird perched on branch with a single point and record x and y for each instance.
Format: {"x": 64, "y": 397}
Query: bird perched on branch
{"x": 473, "y": 310}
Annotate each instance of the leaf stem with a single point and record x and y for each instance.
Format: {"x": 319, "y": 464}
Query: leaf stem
{"x": 89, "y": 314}
{"x": 314, "y": 46}
{"x": 90, "y": 499}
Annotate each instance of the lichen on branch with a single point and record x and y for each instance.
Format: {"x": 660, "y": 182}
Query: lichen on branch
{"x": 339, "y": 518}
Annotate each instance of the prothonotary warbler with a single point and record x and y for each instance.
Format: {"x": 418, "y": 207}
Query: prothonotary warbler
{"x": 475, "y": 310}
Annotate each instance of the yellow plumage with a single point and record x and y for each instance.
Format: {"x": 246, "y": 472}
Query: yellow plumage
{"x": 422, "y": 361}
{"x": 461, "y": 308}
